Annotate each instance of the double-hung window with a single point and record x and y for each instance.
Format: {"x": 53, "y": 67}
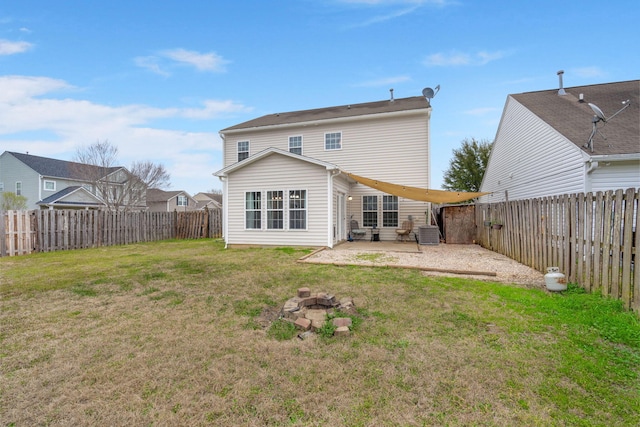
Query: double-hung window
{"x": 369, "y": 211}
{"x": 297, "y": 209}
{"x": 50, "y": 185}
{"x": 333, "y": 141}
{"x": 275, "y": 210}
{"x": 182, "y": 200}
{"x": 389, "y": 211}
{"x": 253, "y": 210}
{"x": 295, "y": 144}
{"x": 18, "y": 188}
{"x": 243, "y": 150}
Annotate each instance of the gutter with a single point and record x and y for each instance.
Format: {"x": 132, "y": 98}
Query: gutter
{"x": 594, "y": 161}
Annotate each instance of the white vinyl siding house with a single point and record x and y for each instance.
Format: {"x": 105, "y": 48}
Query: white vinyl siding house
{"x": 391, "y": 146}
{"x": 541, "y": 147}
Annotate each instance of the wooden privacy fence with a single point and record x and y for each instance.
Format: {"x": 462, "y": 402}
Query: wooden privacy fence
{"x": 24, "y": 232}
{"x": 593, "y": 238}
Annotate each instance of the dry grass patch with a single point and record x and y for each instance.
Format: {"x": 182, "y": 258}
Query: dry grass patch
{"x": 170, "y": 334}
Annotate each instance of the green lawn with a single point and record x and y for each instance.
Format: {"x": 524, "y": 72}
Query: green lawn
{"x": 173, "y": 333}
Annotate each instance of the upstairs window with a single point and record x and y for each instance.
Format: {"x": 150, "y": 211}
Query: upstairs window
{"x": 275, "y": 210}
{"x": 1, "y": 187}
{"x": 297, "y": 209}
{"x": 182, "y": 200}
{"x": 243, "y": 150}
{"x": 50, "y": 185}
{"x": 389, "y": 211}
{"x": 369, "y": 211}
{"x": 18, "y": 188}
{"x": 295, "y": 144}
{"x": 253, "y": 210}
{"x": 333, "y": 141}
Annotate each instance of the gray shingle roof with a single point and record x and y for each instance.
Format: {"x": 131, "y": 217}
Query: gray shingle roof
{"x": 58, "y": 168}
{"x": 157, "y": 195}
{"x": 353, "y": 110}
{"x": 573, "y": 119}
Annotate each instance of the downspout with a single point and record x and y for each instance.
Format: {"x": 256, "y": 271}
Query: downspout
{"x": 225, "y": 207}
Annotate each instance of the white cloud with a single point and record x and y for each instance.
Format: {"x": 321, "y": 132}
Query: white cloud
{"x": 384, "y": 81}
{"x": 8, "y": 47}
{"x": 151, "y": 64}
{"x": 480, "y": 111}
{"x": 588, "y": 72}
{"x": 34, "y": 120}
{"x": 454, "y": 59}
{"x": 201, "y": 61}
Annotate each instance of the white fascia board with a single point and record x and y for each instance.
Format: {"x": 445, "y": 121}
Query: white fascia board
{"x": 614, "y": 157}
{"x": 268, "y": 152}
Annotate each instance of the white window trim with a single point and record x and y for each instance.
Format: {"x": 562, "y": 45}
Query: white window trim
{"x": 19, "y": 191}
{"x": 301, "y": 143}
{"x": 261, "y": 210}
{"x": 283, "y": 209}
{"x": 238, "y": 149}
{"x": 1, "y": 187}
{"x": 397, "y": 211}
{"x": 264, "y": 226}
{"x": 47, "y": 181}
{"x": 325, "y": 141}
{"x": 184, "y": 198}
{"x": 377, "y": 211}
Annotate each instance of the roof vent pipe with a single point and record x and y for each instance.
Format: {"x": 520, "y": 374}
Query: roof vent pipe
{"x": 391, "y": 90}
{"x": 561, "y": 90}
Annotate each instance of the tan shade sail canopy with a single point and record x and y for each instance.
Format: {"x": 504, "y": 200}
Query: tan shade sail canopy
{"x": 416, "y": 193}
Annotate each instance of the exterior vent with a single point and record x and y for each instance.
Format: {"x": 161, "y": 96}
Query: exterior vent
{"x": 428, "y": 235}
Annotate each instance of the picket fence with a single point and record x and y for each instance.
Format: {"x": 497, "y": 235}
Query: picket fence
{"x": 591, "y": 237}
{"x": 26, "y": 232}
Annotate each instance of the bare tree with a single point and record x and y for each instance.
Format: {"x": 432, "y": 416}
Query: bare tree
{"x": 119, "y": 188}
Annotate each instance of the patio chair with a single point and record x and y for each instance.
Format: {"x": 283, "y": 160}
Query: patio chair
{"x": 357, "y": 233}
{"x": 405, "y": 231}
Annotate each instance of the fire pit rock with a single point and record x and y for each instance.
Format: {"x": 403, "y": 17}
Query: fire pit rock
{"x": 308, "y": 311}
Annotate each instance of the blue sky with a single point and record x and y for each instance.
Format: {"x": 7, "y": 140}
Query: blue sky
{"x": 159, "y": 79}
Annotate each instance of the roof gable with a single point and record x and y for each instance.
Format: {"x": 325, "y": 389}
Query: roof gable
{"x": 60, "y": 168}
{"x": 72, "y": 196}
{"x": 344, "y": 111}
{"x": 573, "y": 119}
{"x": 157, "y": 195}
{"x": 273, "y": 151}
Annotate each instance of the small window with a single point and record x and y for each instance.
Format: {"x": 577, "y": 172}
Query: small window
{"x": 295, "y": 144}
{"x": 50, "y": 185}
{"x": 389, "y": 211}
{"x": 333, "y": 141}
{"x": 182, "y": 200}
{"x": 253, "y": 210}
{"x": 243, "y": 150}
{"x": 369, "y": 211}
{"x": 275, "y": 210}
{"x": 1, "y": 187}
{"x": 297, "y": 209}
{"x": 18, "y": 188}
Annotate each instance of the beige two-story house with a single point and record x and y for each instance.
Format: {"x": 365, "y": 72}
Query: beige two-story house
{"x": 286, "y": 179}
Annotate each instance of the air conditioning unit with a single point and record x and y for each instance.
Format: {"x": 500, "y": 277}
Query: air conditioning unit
{"x": 428, "y": 235}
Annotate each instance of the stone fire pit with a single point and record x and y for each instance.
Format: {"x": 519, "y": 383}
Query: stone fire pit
{"x": 308, "y": 311}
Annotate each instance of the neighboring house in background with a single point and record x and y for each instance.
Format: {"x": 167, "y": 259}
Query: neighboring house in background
{"x": 51, "y": 183}
{"x": 208, "y": 200}
{"x": 542, "y": 144}
{"x": 285, "y": 178}
{"x": 169, "y": 201}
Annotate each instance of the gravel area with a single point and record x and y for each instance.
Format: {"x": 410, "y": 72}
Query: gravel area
{"x": 470, "y": 261}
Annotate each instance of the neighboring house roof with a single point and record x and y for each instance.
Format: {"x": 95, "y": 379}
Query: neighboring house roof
{"x": 268, "y": 152}
{"x": 353, "y": 110}
{"x": 213, "y": 196}
{"x": 59, "y": 168}
{"x": 66, "y": 197}
{"x": 156, "y": 195}
{"x": 573, "y": 119}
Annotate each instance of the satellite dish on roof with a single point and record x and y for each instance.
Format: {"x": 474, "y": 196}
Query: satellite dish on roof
{"x": 600, "y": 117}
{"x": 598, "y": 112}
{"x": 429, "y": 93}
